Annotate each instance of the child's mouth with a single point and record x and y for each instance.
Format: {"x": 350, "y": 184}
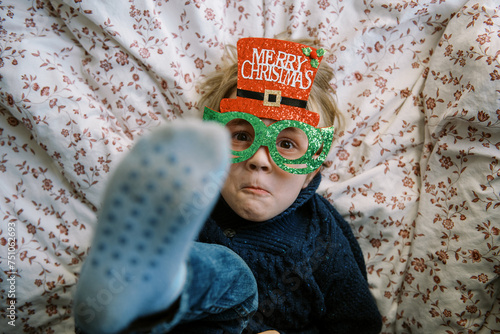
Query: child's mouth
{"x": 256, "y": 190}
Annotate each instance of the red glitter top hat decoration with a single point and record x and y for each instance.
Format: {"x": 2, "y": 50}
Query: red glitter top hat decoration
{"x": 275, "y": 78}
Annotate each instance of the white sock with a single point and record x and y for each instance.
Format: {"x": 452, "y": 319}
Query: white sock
{"x": 156, "y": 202}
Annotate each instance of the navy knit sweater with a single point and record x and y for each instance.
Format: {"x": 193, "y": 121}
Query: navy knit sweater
{"x": 308, "y": 265}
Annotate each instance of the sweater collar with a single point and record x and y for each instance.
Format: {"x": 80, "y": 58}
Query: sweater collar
{"x": 227, "y": 218}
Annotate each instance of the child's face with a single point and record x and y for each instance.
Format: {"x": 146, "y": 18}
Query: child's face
{"x": 257, "y": 189}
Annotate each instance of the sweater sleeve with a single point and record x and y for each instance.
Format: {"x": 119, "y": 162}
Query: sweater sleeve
{"x": 350, "y": 306}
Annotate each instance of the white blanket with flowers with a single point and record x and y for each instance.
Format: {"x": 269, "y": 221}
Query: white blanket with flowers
{"x": 415, "y": 170}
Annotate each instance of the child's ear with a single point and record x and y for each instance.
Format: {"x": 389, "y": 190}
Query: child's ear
{"x": 309, "y": 177}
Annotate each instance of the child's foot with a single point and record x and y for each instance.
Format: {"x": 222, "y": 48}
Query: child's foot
{"x": 155, "y": 205}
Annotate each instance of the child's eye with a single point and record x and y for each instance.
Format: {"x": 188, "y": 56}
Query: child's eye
{"x": 292, "y": 143}
{"x": 242, "y": 136}
{"x": 241, "y": 140}
{"x": 286, "y": 144}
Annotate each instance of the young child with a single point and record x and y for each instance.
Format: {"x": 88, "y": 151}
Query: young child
{"x": 270, "y": 254}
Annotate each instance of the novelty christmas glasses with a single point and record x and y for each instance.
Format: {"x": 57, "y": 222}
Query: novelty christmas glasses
{"x": 296, "y": 147}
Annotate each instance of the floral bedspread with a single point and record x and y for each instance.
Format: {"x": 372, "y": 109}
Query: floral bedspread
{"x": 414, "y": 169}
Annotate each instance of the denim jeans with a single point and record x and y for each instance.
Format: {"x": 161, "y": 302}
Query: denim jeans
{"x": 220, "y": 294}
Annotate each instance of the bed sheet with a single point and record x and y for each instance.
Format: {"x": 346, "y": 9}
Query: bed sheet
{"x": 414, "y": 168}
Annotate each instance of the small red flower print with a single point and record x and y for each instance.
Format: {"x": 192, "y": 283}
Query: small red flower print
{"x": 447, "y": 313}
{"x": 209, "y": 14}
{"x": 199, "y": 63}
{"x": 475, "y": 255}
{"x": 51, "y": 310}
{"x": 29, "y": 23}
{"x": 409, "y": 278}
{"x": 376, "y": 243}
{"x": 27, "y": 123}
{"x": 157, "y": 24}
{"x": 419, "y": 264}
{"x": 121, "y": 58}
{"x": 407, "y": 182}
{"x": 378, "y": 46}
{"x": 446, "y": 162}
{"x": 334, "y": 177}
{"x": 45, "y": 91}
{"x": 448, "y": 224}
{"x": 323, "y": 4}
{"x": 343, "y": 154}
{"x": 38, "y": 282}
{"x": 482, "y": 39}
{"x": 494, "y": 75}
{"x": 405, "y": 234}
{"x": 144, "y": 53}
{"x": 496, "y": 269}
{"x": 10, "y": 100}
{"x": 379, "y": 198}
{"x": 358, "y": 76}
{"x": 31, "y": 229}
{"x": 135, "y": 76}
{"x": 380, "y": 82}
{"x": 62, "y": 229}
{"x": 405, "y": 93}
{"x": 12, "y": 121}
{"x": 430, "y": 103}
{"x": 79, "y": 169}
{"x": 356, "y": 142}
{"x": 449, "y": 50}
{"x": 47, "y": 184}
{"x": 106, "y": 65}
{"x": 471, "y": 309}
{"x": 482, "y": 116}
{"x": 164, "y": 84}
{"x": 483, "y": 278}
{"x": 53, "y": 103}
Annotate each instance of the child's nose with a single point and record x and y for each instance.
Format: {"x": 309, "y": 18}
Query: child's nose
{"x": 261, "y": 160}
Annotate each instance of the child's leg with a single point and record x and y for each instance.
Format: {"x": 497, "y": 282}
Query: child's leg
{"x": 155, "y": 204}
{"x": 220, "y": 296}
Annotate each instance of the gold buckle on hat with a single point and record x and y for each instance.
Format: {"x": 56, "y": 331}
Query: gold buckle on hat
{"x": 275, "y": 95}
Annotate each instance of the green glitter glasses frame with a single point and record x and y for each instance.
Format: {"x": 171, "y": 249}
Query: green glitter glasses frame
{"x": 294, "y": 146}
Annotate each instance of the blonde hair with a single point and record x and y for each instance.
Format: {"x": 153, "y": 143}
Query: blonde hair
{"x": 222, "y": 82}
